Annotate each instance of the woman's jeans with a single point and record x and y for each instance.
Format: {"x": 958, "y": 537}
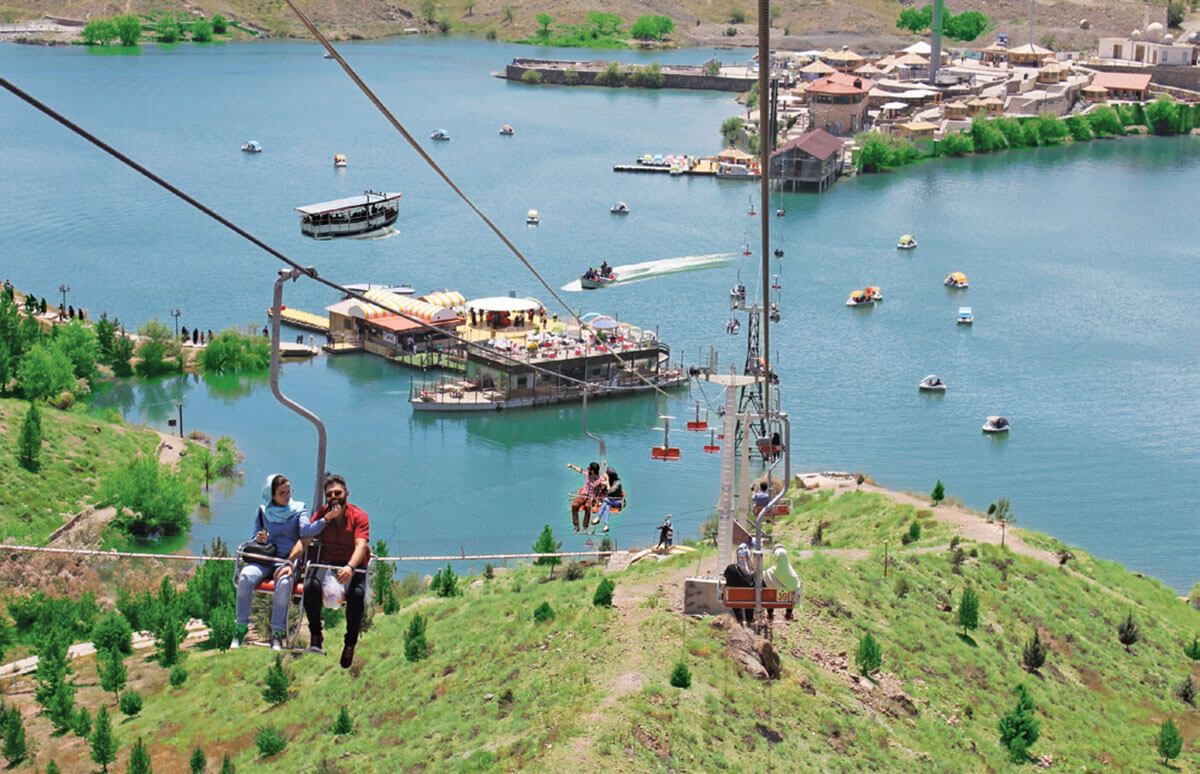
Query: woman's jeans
{"x": 250, "y": 577}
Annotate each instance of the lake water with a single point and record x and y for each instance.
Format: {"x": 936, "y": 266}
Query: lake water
{"x": 1082, "y": 282}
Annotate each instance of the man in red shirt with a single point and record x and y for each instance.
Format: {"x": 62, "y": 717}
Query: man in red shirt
{"x": 344, "y": 543}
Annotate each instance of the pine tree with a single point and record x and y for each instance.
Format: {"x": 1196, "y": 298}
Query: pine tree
{"x": 139, "y": 759}
{"x": 53, "y": 692}
{"x": 1193, "y": 651}
{"x": 111, "y": 667}
{"x": 1170, "y": 742}
{"x": 168, "y": 640}
{"x": 681, "y": 676}
{"x": 342, "y": 724}
{"x": 1128, "y": 633}
{"x": 385, "y": 592}
{"x": 939, "y": 492}
{"x": 82, "y": 726}
{"x": 29, "y": 443}
{"x": 1019, "y": 729}
{"x": 276, "y": 691}
{"x": 604, "y": 593}
{"x": 415, "y": 646}
{"x": 104, "y": 745}
{"x": 14, "y": 737}
{"x": 968, "y": 610}
{"x": 1034, "y": 653}
{"x": 546, "y": 544}
{"x": 227, "y": 765}
{"x": 870, "y": 656}
{"x": 197, "y": 762}
{"x": 130, "y": 703}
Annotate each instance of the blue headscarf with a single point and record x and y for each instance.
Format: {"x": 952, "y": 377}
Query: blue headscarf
{"x": 275, "y": 513}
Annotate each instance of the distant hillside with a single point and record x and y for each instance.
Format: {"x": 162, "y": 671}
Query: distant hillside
{"x": 865, "y": 23}
{"x": 589, "y": 690}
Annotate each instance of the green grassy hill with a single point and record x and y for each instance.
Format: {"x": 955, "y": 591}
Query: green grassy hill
{"x": 589, "y": 690}
{"x": 77, "y": 452}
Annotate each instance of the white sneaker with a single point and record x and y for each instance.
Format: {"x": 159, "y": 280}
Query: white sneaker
{"x": 315, "y": 649}
{"x": 276, "y": 644}
{"x": 235, "y": 644}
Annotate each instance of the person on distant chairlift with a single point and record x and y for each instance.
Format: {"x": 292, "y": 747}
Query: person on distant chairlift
{"x": 583, "y": 500}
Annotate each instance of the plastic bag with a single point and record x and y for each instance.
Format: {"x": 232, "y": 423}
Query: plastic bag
{"x": 332, "y": 591}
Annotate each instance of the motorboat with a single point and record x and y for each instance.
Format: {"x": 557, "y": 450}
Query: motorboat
{"x": 955, "y": 279}
{"x": 354, "y": 216}
{"x": 859, "y": 298}
{"x": 906, "y": 243}
{"x": 327, "y": 55}
{"x": 251, "y": 146}
{"x": 507, "y": 130}
{"x": 439, "y": 134}
{"x": 874, "y": 292}
{"x": 363, "y": 287}
{"x": 592, "y": 279}
{"x": 339, "y": 161}
{"x": 932, "y": 383}
{"x": 532, "y": 218}
{"x": 620, "y": 208}
{"x": 965, "y": 315}
{"x": 996, "y": 425}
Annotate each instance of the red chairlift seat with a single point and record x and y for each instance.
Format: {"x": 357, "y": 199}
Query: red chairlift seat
{"x": 697, "y": 424}
{"x": 666, "y": 452}
{"x": 742, "y": 598}
{"x": 712, "y": 447}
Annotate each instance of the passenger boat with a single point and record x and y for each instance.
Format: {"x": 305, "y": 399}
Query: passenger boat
{"x": 955, "y": 279}
{"x": 731, "y": 171}
{"x": 507, "y": 131}
{"x": 439, "y": 134}
{"x": 859, "y": 298}
{"x": 620, "y": 208}
{"x": 354, "y": 216}
{"x": 874, "y": 292}
{"x": 251, "y": 146}
{"x": 932, "y": 383}
{"x": 363, "y": 287}
{"x": 593, "y": 280}
{"x": 965, "y": 315}
{"x": 339, "y": 160}
{"x": 996, "y": 425}
{"x": 532, "y": 218}
{"x": 906, "y": 243}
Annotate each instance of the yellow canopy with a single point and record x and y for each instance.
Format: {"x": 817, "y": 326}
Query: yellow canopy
{"x": 958, "y": 276}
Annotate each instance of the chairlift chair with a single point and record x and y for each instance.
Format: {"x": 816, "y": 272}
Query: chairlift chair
{"x": 666, "y": 452}
{"x": 712, "y": 447}
{"x": 698, "y": 424}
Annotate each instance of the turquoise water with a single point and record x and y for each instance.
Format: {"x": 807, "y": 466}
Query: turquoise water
{"x": 1082, "y": 282}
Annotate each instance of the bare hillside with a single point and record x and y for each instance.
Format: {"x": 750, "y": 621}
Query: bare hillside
{"x": 868, "y": 24}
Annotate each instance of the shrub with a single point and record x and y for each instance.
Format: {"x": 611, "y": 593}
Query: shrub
{"x": 202, "y": 31}
{"x": 222, "y": 627}
{"x": 531, "y": 76}
{"x": 574, "y": 571}
{"x": 901, "y": 587}
{"x": 113, "y": 633}
{"x": 1128, "y": 633}
{"x": 220, "y": 25}
{"x": 543, "y": 613}
{"x": 914, "y": 531}
{"x": 957, "y": 144}
{"x": 681, "y": 676}
{"x": 870, "y": 657}
{"x": 986, "y": 137}
{"x": 1104, "y": 121}
{"x": 99, "y": 32}
{"x": 342, "y": 724}
{"x": 1013, "y": 133}
{"x": 1033, "y": 656}
{"x": 611, "y": 75}
{"x": 489, "y": 572}
{"x": 157, "y": 497}
{"x": 269, "y": 741}
{"x": 1051, "y": 129}
{"x": 1080, "y": 129}
{"x": 44, "y": 372}
{"x": 1019, "y": 729}
{"x": 168, "y": 29}
{"x": 232, "y": 351}
{"x": 490, "y": 34}
{"x": 604, "y": 593}
{"x": 131, "y": 703}
{"x": 730, "y": 32}
{"x": 129, "y": 30}
{"x": 731, "y": 130}
{"x": 1187, "y": 691}
{"x": 415, "y": 646}
{"x": 571, "y": 76}
{"x": 178, "y": 676}
{"x": 1193, "y": 651}
{"x": 1170, "y": 742}
{"x": 737, "y": 16}
{"x": 712, "y": 68}
{"x": 965, "y": 26}
{"x": 276, "y": 692}
{"x": 652, "y": 27}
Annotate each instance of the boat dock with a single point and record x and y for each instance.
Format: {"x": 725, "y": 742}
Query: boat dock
{"x": 701, "y": 167}
{"x": 298, "y": 318}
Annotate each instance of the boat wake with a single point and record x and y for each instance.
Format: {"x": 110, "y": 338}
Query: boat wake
{"x": 637, "y": 272}
{"x": 386, "y": 233}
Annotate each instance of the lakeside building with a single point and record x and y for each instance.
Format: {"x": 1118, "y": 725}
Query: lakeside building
{"x": 838, "y": 107}
{"x": 358, "y": 326}
{"x": 1154, "y": 47}
{"x": 1121, "y": 86}
{"x": 809, "y": 161}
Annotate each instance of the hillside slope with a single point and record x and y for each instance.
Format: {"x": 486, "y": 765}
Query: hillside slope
{"x": 810, "y": 23}
{"x": 589, "y": 690}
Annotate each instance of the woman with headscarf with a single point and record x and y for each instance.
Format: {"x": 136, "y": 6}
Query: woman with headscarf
{"x": 740, "y": 574}
{"x": 782, "y": 577}
{"x": 282, "y": 522}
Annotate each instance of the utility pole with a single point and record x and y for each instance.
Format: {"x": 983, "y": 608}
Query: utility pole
{"x": 1032, "y": 21}
{"x": 64, "y": 289}
{"x": 935, "y": 55}
{"x": 180, "y": 407}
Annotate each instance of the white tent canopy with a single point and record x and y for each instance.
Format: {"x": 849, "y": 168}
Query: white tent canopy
{"x": 504, "y": 304}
